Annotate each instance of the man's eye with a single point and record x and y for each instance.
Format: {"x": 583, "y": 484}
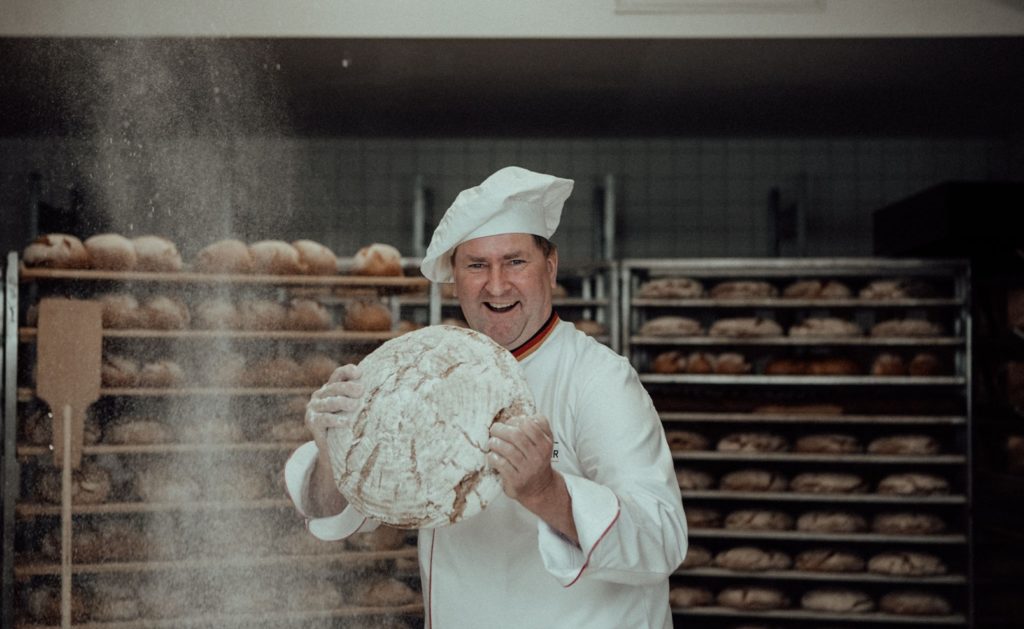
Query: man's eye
{"x": 517, "y": 262}
{"x": 476, "y": 265}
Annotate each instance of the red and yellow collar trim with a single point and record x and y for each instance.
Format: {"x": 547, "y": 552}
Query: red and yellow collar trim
{"x": 531, "y": 345}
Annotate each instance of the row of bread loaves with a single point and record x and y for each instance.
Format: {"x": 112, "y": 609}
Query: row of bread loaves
{"x": 115, "y": 252}
{"x": 828, "y": 600}
{"x": 690, "y": 288}
{"x": 899, "y": 522}
{"x": 814, "y": 443}
{"x": 763, "y": 327}
{"x": 899, "y": 484}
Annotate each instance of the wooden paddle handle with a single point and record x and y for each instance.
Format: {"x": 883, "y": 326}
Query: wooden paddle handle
{"x": 65, "y": 520}
{"x": 68, "y": 435}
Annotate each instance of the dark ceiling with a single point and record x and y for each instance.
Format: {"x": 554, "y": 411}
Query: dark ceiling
{"x": 432, "y": 87}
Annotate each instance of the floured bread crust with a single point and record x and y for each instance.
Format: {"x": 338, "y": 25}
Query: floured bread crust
{"x": 414, "y": 456}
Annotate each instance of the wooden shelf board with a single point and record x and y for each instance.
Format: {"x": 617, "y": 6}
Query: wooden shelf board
{"x": 27, "y": 394}
{"x": 36, "y": 509}
{"x": 794, "y": 457}
{"x": 799, "y": 575}
{"x": 781, "y": 496}
{"x": 346, "y": 557}
{"x": 246, "y": 619}
{"x": 798, "y": 418}
{"x": 782, "y": 302}
{"x": 753, "y": 379}
{"x": 27, "y": 274}
{"x": 797, "y": 614}
{"x": 168, "y": 448}
{"x": 801, "y": 536}
{"x": 26, "y": 334}
{"x": 802, "y": 341}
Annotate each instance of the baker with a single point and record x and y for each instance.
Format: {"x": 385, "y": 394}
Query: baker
{"x": 591, "y": 523}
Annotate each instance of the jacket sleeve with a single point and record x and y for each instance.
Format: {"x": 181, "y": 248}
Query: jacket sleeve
{"x": 297, "y": 472}
{"x": 625, "y": 498}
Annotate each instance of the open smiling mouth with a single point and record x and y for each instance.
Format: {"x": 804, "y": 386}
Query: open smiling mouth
{"x": 499, "y": 308}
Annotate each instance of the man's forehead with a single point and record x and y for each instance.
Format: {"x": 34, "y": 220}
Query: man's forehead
{"x": 499, "y": 245}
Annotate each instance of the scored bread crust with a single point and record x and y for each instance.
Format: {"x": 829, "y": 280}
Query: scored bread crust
{"x": 414, "y": 456}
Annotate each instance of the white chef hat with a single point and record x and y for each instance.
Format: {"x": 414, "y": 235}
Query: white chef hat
{"x": 511, "y": 201}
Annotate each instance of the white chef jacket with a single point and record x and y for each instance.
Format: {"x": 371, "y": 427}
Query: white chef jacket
{"x": 504, "y": 567}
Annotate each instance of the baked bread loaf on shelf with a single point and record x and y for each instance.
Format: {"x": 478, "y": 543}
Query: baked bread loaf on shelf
{"x": 225, "y": 256}
{"x": 162, "y": 312}
{"x": 828, "y": 560}
{"x": 907, "y": 523}
{"x": 671, "y": 325}
{"x": 915, "y": 444}
{"x": 753, "y": 598}
{"x": 685, "y": 596}
{"x": 686, "y": 440}
{"x": 837, "y": 601}
{"x": 217, "y": 313}
{"x": 156, "y": 254}
{"x": 120, "y": 311}
{"x": 753, "y": 480}
{"x": 907, "y": 564}
{"x": 308, "y": 315}
{"x": 262, "y": 314}
{"x": 703, "y": 518}
{"x": 831, "y": 522}
{"x": 753, "y": 559}
{"x": 56, "y": 251}
{"x": 275, "y": 257}
{"x": 745, "y": 327}
{"x": 378, "y": 259}
{"x": 753, "y": 442}
{"x": 758, "y": 520}
{"x": 671, "y": 288}
{"x": 744, "y": 289}
{"x": 913, "y": 484}
{"x": 316, "y": 258}
{"x": 690, "y": 479}
{"x": 900, "y": 328}
{"x": 817, "y": 289}
{"x": 825, "y": 327}
{"x": 363, "y": 315}
{"x": 696, "y": 557}
{"x": 828, "y": 483}
{"x": 914, "y": 603}
{"x": 161, "y": 374}
{"x": 896, "y": 288}
{"x": 110, "y": 252}
{"x": 385, "y": 592}
{"x": 828, "y": 443}
{"x": 90, "y": 484}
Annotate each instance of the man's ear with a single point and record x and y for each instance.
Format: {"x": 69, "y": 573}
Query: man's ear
{"x": 552, "y": 262}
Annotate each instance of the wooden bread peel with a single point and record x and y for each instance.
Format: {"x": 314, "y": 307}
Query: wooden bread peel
{"x": 69, "y": 348}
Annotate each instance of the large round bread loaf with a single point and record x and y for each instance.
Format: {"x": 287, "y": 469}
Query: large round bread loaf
{"x": 414, "y": 456}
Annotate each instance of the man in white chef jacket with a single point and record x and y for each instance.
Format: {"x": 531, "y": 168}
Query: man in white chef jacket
{"x": 591, "y": 522}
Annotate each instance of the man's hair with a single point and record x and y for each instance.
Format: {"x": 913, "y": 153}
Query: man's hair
{"x": 546, "y": 247}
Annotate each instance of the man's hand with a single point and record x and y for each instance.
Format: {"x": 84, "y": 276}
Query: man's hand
{"x": 520, "y": 451}
{"x": 330, "y": 406}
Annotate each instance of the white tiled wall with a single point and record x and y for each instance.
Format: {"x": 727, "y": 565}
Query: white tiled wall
{"x": 677, "y": 197}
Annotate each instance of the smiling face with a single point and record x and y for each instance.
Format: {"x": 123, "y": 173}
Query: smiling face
{"x": 504, "y": 284}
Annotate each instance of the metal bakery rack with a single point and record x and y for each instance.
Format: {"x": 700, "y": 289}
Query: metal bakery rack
{"x": 236, "y": 536}
{"x": 789, "y": 405}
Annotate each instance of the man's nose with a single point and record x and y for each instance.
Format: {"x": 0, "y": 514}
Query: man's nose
{"x": 496, "y": 281}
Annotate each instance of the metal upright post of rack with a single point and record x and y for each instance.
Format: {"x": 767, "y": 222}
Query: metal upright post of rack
{"x": 10, "y": 464}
